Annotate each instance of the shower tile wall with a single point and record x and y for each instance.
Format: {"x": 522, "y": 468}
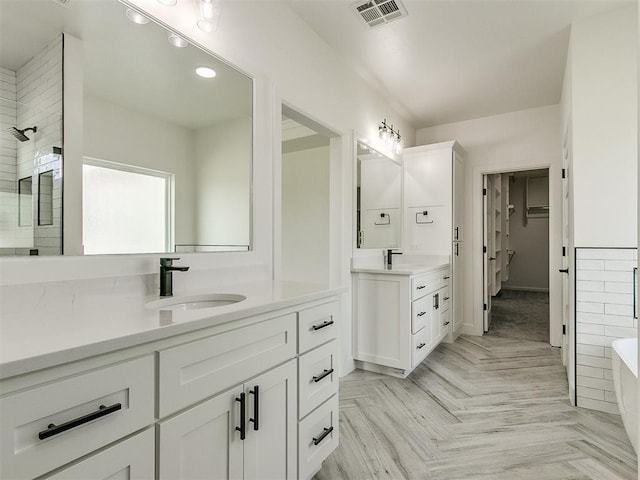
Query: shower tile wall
{"x": 39, "y": 96}
{"x": 604, "y": 312}
{"x": 8, "y": 172}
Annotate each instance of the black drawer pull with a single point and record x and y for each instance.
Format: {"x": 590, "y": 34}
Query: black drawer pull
{"x": 420, "y": 287}
{"x": 421, "y": 346}
{"x": 564, "y": 270}
{"x": 53, "y": 429}
{"x": 446, "y": 323}
{"x": 243, "y": 419}
{"x": 445, "y": 298}
{"x": 325, "y": 324}
{"x": 324, "y": 374}
{"x": 256, "y": 407}
{"x": 324, "y": 434}
{"x": 421, "y": 314}
{"x": 446, "y": 278}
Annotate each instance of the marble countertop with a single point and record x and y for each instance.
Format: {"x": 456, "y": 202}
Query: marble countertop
{"x": 412, "y": 265}
{"x": 34, "y": 339}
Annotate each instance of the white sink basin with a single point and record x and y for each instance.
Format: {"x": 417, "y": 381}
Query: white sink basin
{"x": 195, "y": 302}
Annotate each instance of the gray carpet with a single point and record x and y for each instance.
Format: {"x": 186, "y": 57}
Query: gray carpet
{"x": 520, "y": 314}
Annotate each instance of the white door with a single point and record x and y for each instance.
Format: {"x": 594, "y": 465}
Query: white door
{"x": 270, "y": 449}
{"x": 203, "y": 441}
{"x": 486, "y": 283}
{"x": 565, "y": 254}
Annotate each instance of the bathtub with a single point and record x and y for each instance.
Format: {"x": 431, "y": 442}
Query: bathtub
{"x": 624, "y": 360}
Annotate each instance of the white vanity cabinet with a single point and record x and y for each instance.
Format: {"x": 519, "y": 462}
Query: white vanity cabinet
{"x": 434, "y": 211}
{"x": 221, "y": 402}
{"x": 400, "y": 318}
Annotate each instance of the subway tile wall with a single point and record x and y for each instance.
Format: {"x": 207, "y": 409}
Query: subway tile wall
{"x": 604, "y": 312}
{"x": 37, "y": 101}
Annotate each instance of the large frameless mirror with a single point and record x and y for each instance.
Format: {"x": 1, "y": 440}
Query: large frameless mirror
{"x": 379, "y": 199}
{"x": 166, "y": 153}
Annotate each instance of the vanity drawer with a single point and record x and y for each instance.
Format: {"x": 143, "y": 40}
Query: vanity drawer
{"x": 197, "y": 370}
{"x": 420, "y": 344}
{"x": 317, "y": 325}
{"x": 420, "y": 313}
{"x": 445, "y": 298}
{"x": 133, "y": 459}
{"x": 30, "y": 446}
{"x": 317, "y": 437}
{"x": 445, "y": 323}
{"x": 424, "y": 284}
{"x": 317, "y": 377}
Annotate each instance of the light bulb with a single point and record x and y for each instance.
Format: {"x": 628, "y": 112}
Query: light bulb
{"x": 177, "y": 40}
{"x": 206, "y": 72}
{"x": 136, "y": 17}
{"x": 209, "y": 16}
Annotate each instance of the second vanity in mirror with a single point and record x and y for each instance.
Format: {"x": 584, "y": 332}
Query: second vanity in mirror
{"x": 154, "y": 157}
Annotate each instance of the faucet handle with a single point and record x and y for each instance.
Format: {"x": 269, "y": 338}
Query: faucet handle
{"x": 167, "y": 261}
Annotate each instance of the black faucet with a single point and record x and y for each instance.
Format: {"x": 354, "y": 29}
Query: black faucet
{"x": 166, "y": 278}
{"x": 390, "y": 254}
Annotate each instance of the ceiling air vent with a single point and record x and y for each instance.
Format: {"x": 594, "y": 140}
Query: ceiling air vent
{"x": 379, "y": 12}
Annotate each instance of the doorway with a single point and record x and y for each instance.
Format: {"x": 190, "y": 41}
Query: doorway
{"x": 306, "y": 204}
{"x": 516, "y": 254}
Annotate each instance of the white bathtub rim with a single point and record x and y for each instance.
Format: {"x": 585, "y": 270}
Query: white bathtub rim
{"x": 627, "y": 350}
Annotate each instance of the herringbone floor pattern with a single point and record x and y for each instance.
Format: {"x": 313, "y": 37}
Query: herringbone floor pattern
{"x": 482, "y": 408}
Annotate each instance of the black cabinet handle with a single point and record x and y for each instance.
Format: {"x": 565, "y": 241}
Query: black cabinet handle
{"x": 436, "y": 301}
{"x": 421, "y": 314}
{"x": 446, "y": 277}
{"x": 456, "y": 234}
{"x": 420, "y": 287}
{"x": 446, "y": 323}
{"x": 492, "y": 258}
{"x": 420, "y": 346}
{"x": 564, "y": 270}
{"x": 323, "y": 435}
{"x": 325, "y": 324}
{"x": 457, "y": 246}
{"x": 53, "y": 429}
{"x": 445, "y": 298}
{"x": 241, "y": 428}
{"x": 635, "y": 292}
{"x": 324, "y": 374}
{"x": 256, "y": 407}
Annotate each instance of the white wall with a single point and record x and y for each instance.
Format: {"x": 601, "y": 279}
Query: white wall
{"x": 223, "y": 183}
{"x": 305, "y": 215}
{"x": 529, "y": 237}
{"x": 522, "y": 140}
{"x": 117, "y": 134}
{"x": 604, "y": 59}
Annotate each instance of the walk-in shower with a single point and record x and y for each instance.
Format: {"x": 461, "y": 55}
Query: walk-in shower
{"x": 20, "y": 134}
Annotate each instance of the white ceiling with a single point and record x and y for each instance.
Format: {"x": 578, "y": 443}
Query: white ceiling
{"x": 454, "y": 60}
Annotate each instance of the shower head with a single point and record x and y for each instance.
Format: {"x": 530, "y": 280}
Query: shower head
{"x": 19, "y": 134}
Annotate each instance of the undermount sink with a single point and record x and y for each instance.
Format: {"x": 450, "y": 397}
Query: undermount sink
{"x": 195, "y": 302}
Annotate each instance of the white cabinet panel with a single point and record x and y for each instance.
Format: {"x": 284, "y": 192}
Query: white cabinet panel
{"x": 317, "y": 325}
{"x": 30, "y": 445}
{"x": 132, "y": 459}
{"x": 420, "y": 343}
{"x": 420, "y": 313}
{"x": 317, "y": 437}
{"x": 427, "y": 177}
{"x": 317, "y": 376}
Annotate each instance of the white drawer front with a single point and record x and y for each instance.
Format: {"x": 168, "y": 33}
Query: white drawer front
{"x": 133, "y": 459}
{"x": 317, "y": 377}
{"x": 420, "y": 313}
{"x": 317, "y": 325}
{"x": 198, "y": 370}
{"x": 317, "y": 437}
{"x": 445, "y": 323}
{"x": 445, "y": 298}
{"x": 429, "y": 282}
{"x": 420, "y": 344}
{"x": 25, "y": 455}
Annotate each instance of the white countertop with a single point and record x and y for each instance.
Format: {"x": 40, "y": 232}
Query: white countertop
{"x": 30, "y": 341}
{"x": 414, "y": 266}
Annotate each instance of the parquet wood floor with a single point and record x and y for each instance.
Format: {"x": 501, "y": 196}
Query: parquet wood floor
{"x": 482, "y": 408}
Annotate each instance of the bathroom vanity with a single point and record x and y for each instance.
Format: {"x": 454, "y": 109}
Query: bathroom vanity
{"x": 402, "y": 313}
{"x": 245, "y": 390}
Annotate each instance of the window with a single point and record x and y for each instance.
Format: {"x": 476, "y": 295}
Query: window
{"x": 125, "y": 209}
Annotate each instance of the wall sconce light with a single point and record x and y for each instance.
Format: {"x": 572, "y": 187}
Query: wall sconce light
{"x": 390, "y": 137}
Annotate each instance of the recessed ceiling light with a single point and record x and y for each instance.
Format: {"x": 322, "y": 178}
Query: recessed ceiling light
{"x": 177, "y": 40}
{"x": 206, "y": 72}
{"x": 169, "y": 3}
{"x": 136, "y": 17}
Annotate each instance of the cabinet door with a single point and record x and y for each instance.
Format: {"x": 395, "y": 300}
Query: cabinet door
{"x": 428, "y": 178}
{"x": 133, "y": 459}
{"x": 457, "y": 290}
{"x": 458, "y": 198}
{"x": 203, "y": 442}
{"x": 270, "y": 445}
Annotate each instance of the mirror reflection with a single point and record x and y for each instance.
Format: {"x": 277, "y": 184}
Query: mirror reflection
{"x": 379, "y": 198}
{"x": 165, "y": 162}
